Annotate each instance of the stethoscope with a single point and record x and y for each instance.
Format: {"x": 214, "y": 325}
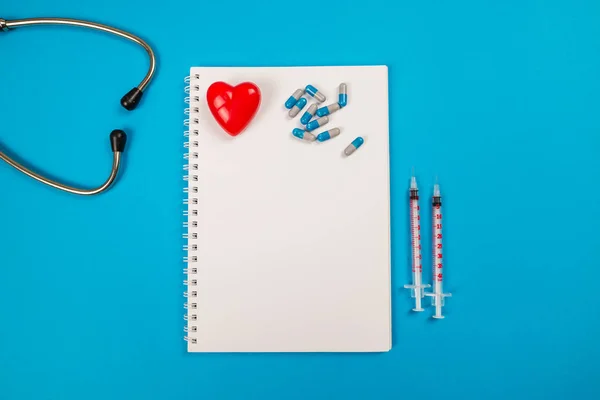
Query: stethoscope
{"x": 130, "y": 101}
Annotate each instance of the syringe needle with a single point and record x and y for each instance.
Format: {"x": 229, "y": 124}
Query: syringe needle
{"x": 413, "y": 180}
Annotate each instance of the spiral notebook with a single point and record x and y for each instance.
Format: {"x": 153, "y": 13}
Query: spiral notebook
{"x": 287, "y": 243}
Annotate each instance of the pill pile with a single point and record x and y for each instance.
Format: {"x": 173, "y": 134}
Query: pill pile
{"x": 315, "y": 117}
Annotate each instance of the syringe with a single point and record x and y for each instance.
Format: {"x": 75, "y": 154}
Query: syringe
{"x": 438, "y": 295}
{"x": 415, "y": 232}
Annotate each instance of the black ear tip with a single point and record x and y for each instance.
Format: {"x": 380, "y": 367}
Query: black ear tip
{"x": 118, "y": 138}
{"x": 131, "y": 99}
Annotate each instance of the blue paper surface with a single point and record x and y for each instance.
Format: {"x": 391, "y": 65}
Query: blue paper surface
{"x": 498, "y": 99}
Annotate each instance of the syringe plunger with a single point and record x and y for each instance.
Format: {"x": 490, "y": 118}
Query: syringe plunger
{"x": 437, "y": 300}
{"x": 417, "y": 293}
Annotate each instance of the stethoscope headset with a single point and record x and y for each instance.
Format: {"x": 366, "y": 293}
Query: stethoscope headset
{"x": 130, "y": 101}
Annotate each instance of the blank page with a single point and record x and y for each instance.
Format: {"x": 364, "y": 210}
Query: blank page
{"x": 292, "y": 244}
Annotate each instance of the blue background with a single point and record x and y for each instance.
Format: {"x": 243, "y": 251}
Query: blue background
{"x": 498, "y": 99}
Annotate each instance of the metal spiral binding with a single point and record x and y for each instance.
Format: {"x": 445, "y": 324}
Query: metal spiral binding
{"x": 190, "y": 294}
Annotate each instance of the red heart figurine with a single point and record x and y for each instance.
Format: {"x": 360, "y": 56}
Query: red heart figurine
{"x": 233, "y": 106}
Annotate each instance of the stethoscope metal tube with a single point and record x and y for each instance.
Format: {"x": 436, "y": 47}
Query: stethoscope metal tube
{"x": 70, "y": 189}
{"x": 118, "y": 140}
{"x": 130, "y": 101}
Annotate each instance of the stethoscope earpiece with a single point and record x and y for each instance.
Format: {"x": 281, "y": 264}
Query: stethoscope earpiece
{"x": 130, "y": 101}
{"x": 118, "y": 139}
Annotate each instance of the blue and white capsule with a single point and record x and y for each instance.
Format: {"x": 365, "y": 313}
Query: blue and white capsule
{"x": 310, "y": 112}
{"x": 352, "y": 147}
{"x": 330, "y": 134}
{"x": 294, "y": 99}
{"x": 330, "y": 109}
{"x": 317, "y": 123}
{"x": 302, "y": 134}
{"x": 297, "y": 107}
{"x": 314, "y": 92}
{"x": 343, "y": 95}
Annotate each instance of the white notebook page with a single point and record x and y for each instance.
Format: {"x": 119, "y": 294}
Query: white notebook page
{"x": 293, "y": 239}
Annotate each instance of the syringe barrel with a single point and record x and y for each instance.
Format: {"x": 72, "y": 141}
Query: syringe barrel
{"x": 415, "y": 232}
{"x": 437, "y": 262}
